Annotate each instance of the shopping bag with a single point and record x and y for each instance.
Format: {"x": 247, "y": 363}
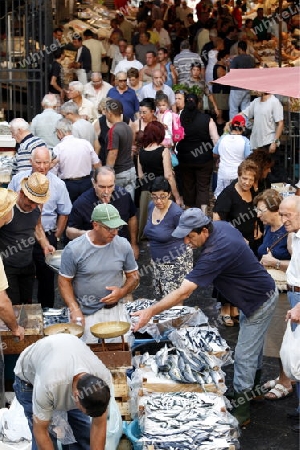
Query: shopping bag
{"x": 290, "y": 352}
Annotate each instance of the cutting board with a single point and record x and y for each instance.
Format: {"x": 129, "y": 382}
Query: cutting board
{"x": 33, "y": 330}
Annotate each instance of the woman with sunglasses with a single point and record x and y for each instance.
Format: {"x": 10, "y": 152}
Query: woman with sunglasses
{"x": 171, "y": 259}
{"x": 273, "y": 254}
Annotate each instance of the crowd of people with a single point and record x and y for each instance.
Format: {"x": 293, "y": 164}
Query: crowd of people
{"x": 103, "y": 167}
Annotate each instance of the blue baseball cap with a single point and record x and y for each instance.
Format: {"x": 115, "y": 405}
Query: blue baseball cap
{"x": 190, "y": 219}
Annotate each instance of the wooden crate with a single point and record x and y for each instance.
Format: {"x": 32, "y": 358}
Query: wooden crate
{"x": 33, "y": 330}
{"x": 124, "y": 444}
{"x": 179, "y": 387}
{"x": 113, "y": 357}
{"x": 121, "y": 392}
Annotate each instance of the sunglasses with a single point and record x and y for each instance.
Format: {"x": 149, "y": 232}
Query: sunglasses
{"x": 110, "y": 230}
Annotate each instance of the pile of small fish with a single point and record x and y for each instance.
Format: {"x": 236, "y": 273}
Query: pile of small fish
{"x": 183, "y": 366}
{"x": 186, "y": 421}
{"x": 169, "y": 314}
{"x": 199, "y": 339}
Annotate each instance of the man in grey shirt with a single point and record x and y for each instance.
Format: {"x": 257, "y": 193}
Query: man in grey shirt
{"x": 91, "y": 277}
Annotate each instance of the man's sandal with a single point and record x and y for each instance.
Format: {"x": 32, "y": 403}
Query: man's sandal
{"x": 227, "y": 321}
{"x": 278, "y": 392}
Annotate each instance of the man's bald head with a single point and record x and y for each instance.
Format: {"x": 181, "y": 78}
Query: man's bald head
{"x": 41, "y": 160}
{"x": 289, "y": 210}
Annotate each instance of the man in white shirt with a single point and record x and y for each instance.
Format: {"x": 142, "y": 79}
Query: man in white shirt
{"x": 96, "y": 89}
{"x": 76, "y": 158}
{"x": 96, "y": 49}
{"x": 85, "y": 107}
{"x": 128, "y": 62}
{"x": 289, "y": 210}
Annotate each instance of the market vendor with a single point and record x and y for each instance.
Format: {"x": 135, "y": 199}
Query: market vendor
{"x": 227, "y": 262}
{"x": 59, "y": 374}
{"x": 91, "y": 277}
{"x": 8, "y": 199}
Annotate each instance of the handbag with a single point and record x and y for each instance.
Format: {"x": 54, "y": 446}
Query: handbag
{"x": 174, "y": 159}
{"x": 290, "y": 352}
{"x": 278, "y": 275}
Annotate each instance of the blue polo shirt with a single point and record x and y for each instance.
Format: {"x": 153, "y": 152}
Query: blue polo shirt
{"x": 128, "y": 99}
{"x": 229, "y": 264}
{"x": 80, "y": 216}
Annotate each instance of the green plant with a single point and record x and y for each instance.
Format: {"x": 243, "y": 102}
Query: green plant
{"x": 197, "y": 90}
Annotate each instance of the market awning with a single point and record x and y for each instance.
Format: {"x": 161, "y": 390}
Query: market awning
{"x": 282, "y": 81}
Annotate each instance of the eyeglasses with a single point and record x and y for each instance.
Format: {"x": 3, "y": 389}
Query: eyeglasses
{"x": 110, "y": 230}
{"x": 123, "y": 81}
{"x": 155, "y": 198}
{"x": 261, "y": 211}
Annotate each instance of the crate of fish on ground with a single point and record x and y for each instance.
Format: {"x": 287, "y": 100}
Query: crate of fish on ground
{"x": 168, "y": 320}
{"x": 175, "y": 370}
{"x": 121, "y": 392}
{"x": 204, "y": 338}
{"x": 183, "y": 421}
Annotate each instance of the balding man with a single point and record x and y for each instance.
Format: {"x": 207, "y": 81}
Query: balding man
{"x": 43, "y": 125}
{"x": 96, "y": 89}
{"x": 289, "y": 210}
{"x": 54, "y": 218}
{"x": 26, "y": 141}
{"x": 150, "y": 89}
{"x": 104, "y": 190}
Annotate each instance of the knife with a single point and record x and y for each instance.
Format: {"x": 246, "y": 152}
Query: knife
{"x": 22, "y": 319}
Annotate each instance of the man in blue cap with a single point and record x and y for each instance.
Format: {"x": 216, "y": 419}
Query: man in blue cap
{"x": 93, "y": 269}
{"x": 227, "y": 262}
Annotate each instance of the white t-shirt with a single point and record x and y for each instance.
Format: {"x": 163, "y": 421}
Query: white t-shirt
{"x": 233, "y": 149}
{"x": 266, "y": 115}
{"x": 50, "y": 365}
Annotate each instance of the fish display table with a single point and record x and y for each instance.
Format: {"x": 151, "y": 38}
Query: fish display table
{"x": 33, "y": 324}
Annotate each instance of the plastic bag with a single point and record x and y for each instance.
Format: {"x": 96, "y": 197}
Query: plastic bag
{"x": 13, "y": 424}
{"x": 290, "y": 352}
{"x": 114, "y": 429}
{"x": 61, "y": 429}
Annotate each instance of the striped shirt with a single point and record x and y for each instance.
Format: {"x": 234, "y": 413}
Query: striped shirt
{"x": 24, "y": 149}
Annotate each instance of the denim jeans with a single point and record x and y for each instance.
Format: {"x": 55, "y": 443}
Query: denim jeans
{"x": 79, "y": 422}
{"x": 294, "y": 298}
{"x": 249, "y": 347}
{"x": 127, "y": 180}
{"x": 239, "y": 99}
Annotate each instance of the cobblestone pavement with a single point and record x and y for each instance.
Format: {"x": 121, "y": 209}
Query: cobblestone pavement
{"x": 269, "y": 428}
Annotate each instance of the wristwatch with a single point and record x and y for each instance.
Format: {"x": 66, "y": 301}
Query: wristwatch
{"x": 277, "y": 266}
{"x": 277, "y": 142}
